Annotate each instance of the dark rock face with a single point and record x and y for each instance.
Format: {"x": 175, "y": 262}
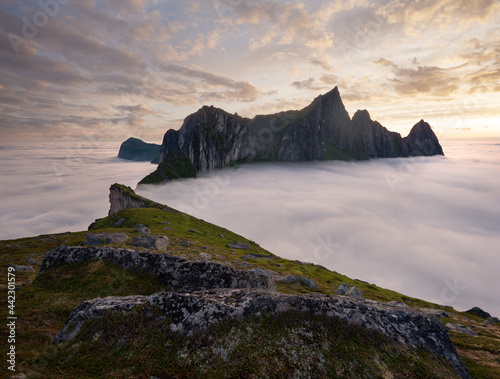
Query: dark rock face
{"x": 173, "y": 272}
{"x": 190, "y": 312}
{"x": 213, "y": 139}
{"x": 135, "y": 149}
{"x": 476, "y": 311}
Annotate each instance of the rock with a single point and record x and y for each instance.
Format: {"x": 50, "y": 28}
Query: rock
{"x": 93, "y": 309}
{"x": 212, "y": 138}
{"x": 189, "y": 312}
{"x": 204, "y": 256}
{"x": 434, "y": 312}
{"x": 305, "y": 281}
{"x": 355, "y": 293}
{"x": 31, "y": 261}
{"x": 238, "y": 246}
{"x": 24, "y": 268}
{"x": 123, "y": 197}
{"x": 137, "y": 150}
{"x": 265, "y": 272}
{"x": 172, "y": 272}
{"x": 496, "y": 320}
{"x": 461, "y": 329}
{"x": 400, "y": 304}
{"x": 343, "y": 289}
{"x": 151, "y": 242}
{"x": 142, "y": 229}
{"x": 105, "y": 238}
{"x": 165, "y": 223}
{"x": 121, "y": 221}
{"x": 194, "y": 231}
{"x": 476, "y": 311}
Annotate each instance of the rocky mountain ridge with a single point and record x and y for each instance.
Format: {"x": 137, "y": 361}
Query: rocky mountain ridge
{"x": 214, "y": 139}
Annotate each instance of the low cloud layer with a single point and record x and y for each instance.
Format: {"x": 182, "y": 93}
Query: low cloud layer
{"x": 426, "y": 227}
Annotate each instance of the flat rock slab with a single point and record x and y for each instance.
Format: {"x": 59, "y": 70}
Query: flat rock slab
{"x": 105, "y": 238}
{"x": 159, "y": 243}
{"x": 173, "y": 272}
{"x": 198, "y": 310}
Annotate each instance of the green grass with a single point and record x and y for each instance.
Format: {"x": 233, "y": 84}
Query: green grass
{"x": 125, "y": 345}
{"x": 290, "y": 344}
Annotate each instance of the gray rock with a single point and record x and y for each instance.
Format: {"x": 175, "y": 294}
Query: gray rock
{"x": 238, "y": 246}
{"x": 204, "y": 256}
{"x": 142, "y": 229}
{"x": 24, "y": 268}
{"x": 151, "y": 242}
{"x": 173, "y": 272}
{"x": 121, "y": 221}
{"x": 461, "y": 329}
{"x": 31, "y": 261}
{"x": 494, "y": 319}
{"x": 355, "y": 293}
{"x": 343, "y": 289}
{"x": 105, "y": 238}
{"x": 434, "y": 312}
{"x": 190, "y": 312}
{"x": 194, "y": 231}
{"x": 305, "y": 281}
{"x": 400, "y": 304}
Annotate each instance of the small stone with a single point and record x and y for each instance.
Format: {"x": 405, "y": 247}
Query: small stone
{"x": 343, "y": 289}
{"x": 121, "y": 221}
{"x": 166, "y": 223}
{"x": 193, "y": 231}
{"x": 142, "y": 229}
{"x": 305, "y": 281}
{"x": 355, "y": 293}
{"x": 105, "y": 238}
{"x": 238, "y": 245}
{"x": 461, "y": 329}
{"x": 221, "y": 236}
{"x": 151, "y": 242}
{"x": 168, "y": 228}
{"x": 204, "y": 256}
{"x": 23, "y": 268}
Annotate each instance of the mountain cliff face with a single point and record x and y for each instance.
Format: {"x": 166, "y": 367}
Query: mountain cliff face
{"x": 213, "y": 139}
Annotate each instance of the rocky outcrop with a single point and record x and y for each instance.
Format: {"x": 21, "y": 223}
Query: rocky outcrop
{"x": 214, "y": 139}
{"x": 190, "y": 312}
{"x": 135, "y": 149}
{"x": 123, "y": 197}
{"x": 173, "y": 272}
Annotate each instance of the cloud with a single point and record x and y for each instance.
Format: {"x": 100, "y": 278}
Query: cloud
{"x": 230, "y": 90}
{"x": 309, "y": 84}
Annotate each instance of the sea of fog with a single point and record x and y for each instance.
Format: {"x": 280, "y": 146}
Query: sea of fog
{"x": 428, "y": 227}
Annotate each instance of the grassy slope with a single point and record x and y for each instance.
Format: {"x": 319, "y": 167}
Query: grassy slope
{"x": 44, "y": 304}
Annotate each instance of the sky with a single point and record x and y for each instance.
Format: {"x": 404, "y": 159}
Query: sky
{"x": 76, "y": 70}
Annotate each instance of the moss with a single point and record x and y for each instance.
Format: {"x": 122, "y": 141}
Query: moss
{"x": 334, "y": 153}
{"x": 175, "y": 166}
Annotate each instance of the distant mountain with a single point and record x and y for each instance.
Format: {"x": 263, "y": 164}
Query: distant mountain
{"x": 135, "y": 149}
{"x": 214, "y": 139}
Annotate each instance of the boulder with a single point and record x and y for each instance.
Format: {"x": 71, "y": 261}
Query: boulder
{"x": 142, "y": 229}
{"x": 150, "y": 242}
{"x": 189, "y": 312}
{"x": 476, "y": 311}
{"x": 105, "y": 238}
{"x": 343, "y": 289}
{"x": 238, "y": 246}
{"x": 173, "y": 272}
{"x": 305, "y": 281}
{"x": 461, "y": 329}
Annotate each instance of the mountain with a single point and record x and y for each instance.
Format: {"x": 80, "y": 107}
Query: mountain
{"x": 149, "y": 291}
{"x": 135, "y": 149}
{"x": 214, "y": 139}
